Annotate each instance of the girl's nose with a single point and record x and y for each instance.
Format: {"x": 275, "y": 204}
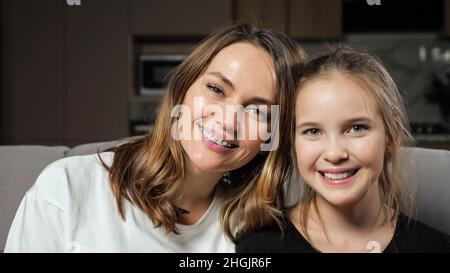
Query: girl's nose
{"x": 336, "y": 151}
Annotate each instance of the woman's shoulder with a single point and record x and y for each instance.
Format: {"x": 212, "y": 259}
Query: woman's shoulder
{"x": 416, "y": 236}
{"x": 71, "y": 178}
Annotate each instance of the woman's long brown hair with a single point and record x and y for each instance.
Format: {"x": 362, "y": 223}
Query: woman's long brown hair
{"x": 149, "y": 172}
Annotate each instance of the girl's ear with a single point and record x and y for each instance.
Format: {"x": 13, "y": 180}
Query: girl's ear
{"x": 392, "y": 145}
{"x": 389, "y": 150}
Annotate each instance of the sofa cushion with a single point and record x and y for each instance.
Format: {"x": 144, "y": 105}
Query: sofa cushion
{"x": 19, "y": 167}
{"x": 431, "y": 174}
{"x": 92, "y": 148}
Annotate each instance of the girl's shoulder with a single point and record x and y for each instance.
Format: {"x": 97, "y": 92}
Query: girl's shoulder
{"x": 260, "y": 240}
{"x": 273, "y": 238}
{"x": 413, "y": 235}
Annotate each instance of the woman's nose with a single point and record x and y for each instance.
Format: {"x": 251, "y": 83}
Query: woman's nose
{"x": 228, "y": 120}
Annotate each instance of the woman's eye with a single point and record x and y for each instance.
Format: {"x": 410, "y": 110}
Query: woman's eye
{"x": 312, "y": 132}
{"x": 357, "y": 128}
{"x": 257, "y": 111}
{"x": 214, "y": 88}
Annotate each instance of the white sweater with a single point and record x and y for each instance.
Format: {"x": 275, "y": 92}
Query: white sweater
{"x": 71, "y": 208}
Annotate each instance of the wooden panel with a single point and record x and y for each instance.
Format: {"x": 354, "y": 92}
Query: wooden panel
{"x": 174, "y": 17}
{"x": 271, "y": 13}
{"x": 446, "y": 27}
{"x": 2, "y": 107}
{"x": 32, "y": 71}
{"x": 98, "y": 71}
{"x": 315, "y": 19}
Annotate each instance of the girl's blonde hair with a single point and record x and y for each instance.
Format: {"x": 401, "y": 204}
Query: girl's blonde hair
{"x": 149, "y": 172}
{"x": 369, "y": 73}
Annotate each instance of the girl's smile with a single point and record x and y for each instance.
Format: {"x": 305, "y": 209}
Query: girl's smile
{"x": 338, "y": 177}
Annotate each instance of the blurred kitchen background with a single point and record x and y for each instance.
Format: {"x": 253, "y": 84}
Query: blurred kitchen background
{"x": 78, "y": 71}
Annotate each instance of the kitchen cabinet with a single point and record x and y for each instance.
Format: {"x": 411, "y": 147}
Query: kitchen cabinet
{"x": 175, "y": 18}
{"x": 98, "y": 74}
{"x": 65, "y": 71}
{"x": 272, "y": 13}
{"x": 301, "y": 19}
{"x": 315, "y": 19}
{"x": 446, "y": 23}
{"x": 32, "y": 104}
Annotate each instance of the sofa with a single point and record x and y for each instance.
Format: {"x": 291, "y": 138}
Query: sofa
{"x": 21, "y": 164}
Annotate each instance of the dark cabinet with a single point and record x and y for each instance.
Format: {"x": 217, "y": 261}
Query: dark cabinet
{"x": 65, "y": 71}
{"x": 174, "y": 17}
{"x": 32, "y": 104}
{"x": 97, "y": 71}
{"x": 446, "y": 23}
{"x": 315, "y": 19}
{"x": 302, "y": 19}
{"x": 272, "y": 13}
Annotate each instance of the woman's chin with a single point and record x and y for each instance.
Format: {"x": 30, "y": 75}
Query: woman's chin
{"x": 208, "y": 164}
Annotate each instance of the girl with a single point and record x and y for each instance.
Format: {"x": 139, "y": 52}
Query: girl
{"x": 349, "y": 126}
{"x": 177, "y": 189}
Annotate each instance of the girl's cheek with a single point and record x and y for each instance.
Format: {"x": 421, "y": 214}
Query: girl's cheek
{"x": 369, "y": 150}
{"x": 307, "y": 151}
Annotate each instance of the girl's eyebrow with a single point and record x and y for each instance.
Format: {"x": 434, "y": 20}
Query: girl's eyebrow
{"x": 349, "y": 121}
{"x": 359, "y": 119}
{"x": 307, "y": 124}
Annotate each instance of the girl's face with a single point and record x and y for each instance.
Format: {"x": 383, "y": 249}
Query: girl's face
{"x": 340, "y": 139}
{"x": 228, "y": 107}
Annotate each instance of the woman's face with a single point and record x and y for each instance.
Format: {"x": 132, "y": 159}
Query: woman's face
{"x": 229, "y": 109}
{"x": 340, "y": 139}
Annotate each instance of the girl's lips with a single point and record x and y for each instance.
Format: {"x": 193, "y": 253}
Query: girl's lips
{"x": 338, "y": 170}
{"x": 349, "y": 176}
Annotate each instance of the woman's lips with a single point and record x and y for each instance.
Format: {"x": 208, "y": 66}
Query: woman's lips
{"x": 215, "y": 147}
{"x": 215, "y": 143}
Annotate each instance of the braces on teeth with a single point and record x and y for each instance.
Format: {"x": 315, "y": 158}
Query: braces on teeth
{"x": 215, "y": 139}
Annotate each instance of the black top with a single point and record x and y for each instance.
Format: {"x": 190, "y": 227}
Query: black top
{"x": 412, "y": 237}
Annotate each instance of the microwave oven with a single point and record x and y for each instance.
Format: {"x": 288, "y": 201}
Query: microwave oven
{"x": 154, "y": 70}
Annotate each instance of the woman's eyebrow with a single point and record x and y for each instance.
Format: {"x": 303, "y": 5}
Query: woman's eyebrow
{"x": 254, "y": 100}
{"x": 260, "y": 100}
{"x": 222, "y": 78}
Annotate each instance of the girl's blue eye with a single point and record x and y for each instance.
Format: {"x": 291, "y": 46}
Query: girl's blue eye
{"x": 215, "y": 89}
{"x": 357, "y": 128}
{"x": 312, "y": 132}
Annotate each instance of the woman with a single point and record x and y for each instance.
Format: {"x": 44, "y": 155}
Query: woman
{"x": 163, "y": 192}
